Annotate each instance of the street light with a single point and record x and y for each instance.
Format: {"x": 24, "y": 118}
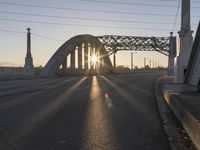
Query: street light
{"x": 132, "y": 59}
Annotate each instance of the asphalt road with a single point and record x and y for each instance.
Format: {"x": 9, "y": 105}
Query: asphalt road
{"x": 116, "y": 112}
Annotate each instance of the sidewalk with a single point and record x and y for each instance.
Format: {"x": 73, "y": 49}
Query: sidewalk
{"x": 184, "y": 101}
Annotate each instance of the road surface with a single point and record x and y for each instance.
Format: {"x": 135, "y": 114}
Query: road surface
{"x": 116, "y": 112}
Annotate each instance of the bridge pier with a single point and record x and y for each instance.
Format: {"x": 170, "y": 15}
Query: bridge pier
{"x": 185, "y": 43}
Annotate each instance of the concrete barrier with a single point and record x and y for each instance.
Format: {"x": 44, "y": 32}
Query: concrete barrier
{"x": 185, "y": 105}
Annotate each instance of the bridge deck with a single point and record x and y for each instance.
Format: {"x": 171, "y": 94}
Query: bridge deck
{"x": 108, "y": 112}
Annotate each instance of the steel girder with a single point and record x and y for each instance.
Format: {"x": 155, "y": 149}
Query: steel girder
{"x": 114, "y": 43}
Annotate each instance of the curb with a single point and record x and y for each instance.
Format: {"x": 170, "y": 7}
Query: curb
{"x": 170, "y": 124}
{"x": 188, "y": 121}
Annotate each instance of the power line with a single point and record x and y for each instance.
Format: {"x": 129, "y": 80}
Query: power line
{"x": 83, "y": 10}
{"x": 133, "y": 13}
{"x": 11, "y": 31}
{"x": 176, "y": 16}
{"x": 86, "y": 10}
{"x": 47, "y": 37}
{"x": 92, "y": 19}
{"x": 74, "y": 9}
{"x": 84, "y": 25}
{"x": 35, "y": 34}
{"x": 89, "y": 10}
{"x": 88, "y": 19}
{"x": 174, "y": 1}
{"x": 135, "y": 4}
{"x": 129, "y": 3}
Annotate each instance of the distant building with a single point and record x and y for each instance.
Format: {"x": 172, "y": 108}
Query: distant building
{"x": 20, "y": 72}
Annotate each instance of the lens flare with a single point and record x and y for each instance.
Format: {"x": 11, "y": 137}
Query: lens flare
{"x": 94, "y": 59}
{"x": 108, "y": 100}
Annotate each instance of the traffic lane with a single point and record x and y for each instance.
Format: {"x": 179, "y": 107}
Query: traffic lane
{"x": 31, "y": 86}
{"x": 11, "y": 99}
{"x": 22, "y": 117}
{"x": 82, "y": 124}
{"x": 133, "y": 112}
{"x": 88, "y": 122}
{"x": 79, "y": 124}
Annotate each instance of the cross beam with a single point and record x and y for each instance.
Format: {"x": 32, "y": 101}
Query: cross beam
{"x": 114, "y": 43}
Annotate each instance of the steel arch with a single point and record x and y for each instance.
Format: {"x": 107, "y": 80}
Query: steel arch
{"x": 59, "y": 56}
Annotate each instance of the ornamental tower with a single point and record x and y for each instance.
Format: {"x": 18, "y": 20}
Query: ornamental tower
{"x": 28, "y": 60}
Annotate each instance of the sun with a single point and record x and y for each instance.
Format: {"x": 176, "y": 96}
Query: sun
{"x": 94, "y": 59}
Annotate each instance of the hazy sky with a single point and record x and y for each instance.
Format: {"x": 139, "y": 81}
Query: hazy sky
{"x": 134, "y": 14}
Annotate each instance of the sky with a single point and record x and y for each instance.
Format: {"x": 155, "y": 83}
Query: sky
{"x": 153, "y": 17}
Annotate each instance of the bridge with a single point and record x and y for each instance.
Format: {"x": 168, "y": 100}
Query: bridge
{"x": 94, "y": 52}
{"x": 105, "y": 111}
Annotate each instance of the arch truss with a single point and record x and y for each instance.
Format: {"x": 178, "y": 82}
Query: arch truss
{"x": 114, "y": 43}
{"x": 91, "y": 56}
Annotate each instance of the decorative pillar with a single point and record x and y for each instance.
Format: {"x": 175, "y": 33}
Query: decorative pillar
{"x": 172, "y": 54}
{"x": 91, "y": 53}
{"x": 185, "y": 43}
{"x": 100, "y": 60}
{"x": 29, "y": 60}
{"x": 86, "y": 55}
{"x": 98, "y": 57}
{"x": 80, "y": 57}
{"x": 73, "y": 60}
{"x": 64, "y": 65}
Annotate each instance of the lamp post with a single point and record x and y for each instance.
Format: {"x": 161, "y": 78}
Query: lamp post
{"x": 132, "y": 59}
{"x": 144, "y": 62}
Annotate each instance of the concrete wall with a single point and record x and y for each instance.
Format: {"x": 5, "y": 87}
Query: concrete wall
{"x": 15, "y": 72}
{"x": 193, "y": 68}
{"x": 195, "y": 75}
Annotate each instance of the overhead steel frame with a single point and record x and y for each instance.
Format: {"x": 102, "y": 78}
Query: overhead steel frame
{"x": 163, "y": 45}
{"x": 114, "y": 43}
